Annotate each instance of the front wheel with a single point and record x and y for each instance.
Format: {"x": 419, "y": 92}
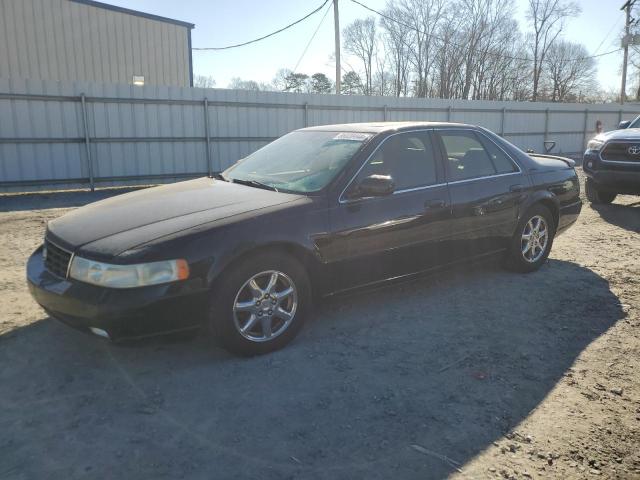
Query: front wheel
{"x": 594, "y": 195}
{"x": 260, "y": 304}
{"x": 532, "y": 241}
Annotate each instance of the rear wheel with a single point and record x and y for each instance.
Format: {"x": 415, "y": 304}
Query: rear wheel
{"x": 259, "y": 305}
{"x": 594, "y": 195}
{"x": 532, "y": 241}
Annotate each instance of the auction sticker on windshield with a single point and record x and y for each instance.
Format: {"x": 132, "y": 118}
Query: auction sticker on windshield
{"x": 355, "y": 136}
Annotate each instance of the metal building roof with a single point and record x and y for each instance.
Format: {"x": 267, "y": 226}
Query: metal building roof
{"x": 128, "y": 11}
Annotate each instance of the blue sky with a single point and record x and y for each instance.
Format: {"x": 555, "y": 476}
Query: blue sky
{"x": 221, "y": 23}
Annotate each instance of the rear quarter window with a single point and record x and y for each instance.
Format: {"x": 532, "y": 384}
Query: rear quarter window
{"x": 500, "y": 160}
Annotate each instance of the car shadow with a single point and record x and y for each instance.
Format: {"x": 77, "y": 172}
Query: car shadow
{"x": 64, "y": 199}
{"x": 625, "y": 216}
{"x": 405, "y": 381}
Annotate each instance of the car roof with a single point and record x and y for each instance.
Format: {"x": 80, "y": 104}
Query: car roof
{"x": 379, "y": 127}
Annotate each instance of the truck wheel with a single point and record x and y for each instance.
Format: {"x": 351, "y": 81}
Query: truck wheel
{"x": 598, "y": 196}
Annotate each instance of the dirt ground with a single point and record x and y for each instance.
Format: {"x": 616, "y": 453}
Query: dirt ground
{"x": 469, "y": 374}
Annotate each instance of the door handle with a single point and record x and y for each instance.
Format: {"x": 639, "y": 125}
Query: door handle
{"x": 516, "y": 188}
{"x": 437, "y": 203}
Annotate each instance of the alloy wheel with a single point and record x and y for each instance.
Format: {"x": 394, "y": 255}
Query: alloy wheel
{"x": 265, "y": 306}
{"x": 535, "y": 238}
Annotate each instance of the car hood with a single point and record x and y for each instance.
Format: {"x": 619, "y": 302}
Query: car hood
{"x": 144, "y": 215}
{"x": 624, "y": 134}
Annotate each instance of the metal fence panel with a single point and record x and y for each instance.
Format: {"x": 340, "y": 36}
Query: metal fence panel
{"x": 157, "y": 134}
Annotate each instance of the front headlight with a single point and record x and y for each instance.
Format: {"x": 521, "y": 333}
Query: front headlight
{"x": 128, "y": 276}
{"x": 595, "y": 145}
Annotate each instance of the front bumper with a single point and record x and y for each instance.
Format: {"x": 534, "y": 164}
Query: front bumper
{"x": 623, "y": 179}
{"x": 121, "y": 313}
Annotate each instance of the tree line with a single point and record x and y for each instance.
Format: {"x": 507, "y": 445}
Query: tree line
{"x": 461, "y": 49}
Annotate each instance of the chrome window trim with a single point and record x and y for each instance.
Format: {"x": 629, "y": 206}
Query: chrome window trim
{"x": 343, "y": 201}
{"x": 415, "y": 189}
{"x": 455, "y": 182}
{"x": 617, "y": 162}
{"x": 396, "y": 192}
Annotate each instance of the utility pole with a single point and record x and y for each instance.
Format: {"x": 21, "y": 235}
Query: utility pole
{"x": 625, "y": 43}
{"x": 336, "y": 26}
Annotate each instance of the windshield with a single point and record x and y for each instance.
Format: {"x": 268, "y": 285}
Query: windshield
{"x": 299, "y": 161}
{"x": 635, "y": 123}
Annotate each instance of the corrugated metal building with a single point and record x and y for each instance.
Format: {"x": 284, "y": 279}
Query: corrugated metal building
{"x": 69, "y": 40}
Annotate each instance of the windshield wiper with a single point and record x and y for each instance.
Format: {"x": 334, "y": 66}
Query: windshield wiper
{"x": 254, "y": 183}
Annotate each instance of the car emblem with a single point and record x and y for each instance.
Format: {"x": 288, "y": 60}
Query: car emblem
{"x": 634, "y": 150}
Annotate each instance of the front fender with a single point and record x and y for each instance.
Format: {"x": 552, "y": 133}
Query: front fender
{"x": 296, "y": 233}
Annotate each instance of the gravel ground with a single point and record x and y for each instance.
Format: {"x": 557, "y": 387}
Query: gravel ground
{"x": 474, "y": 374}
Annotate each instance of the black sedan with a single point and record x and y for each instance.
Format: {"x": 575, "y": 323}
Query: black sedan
{"x": 319, "y": 211}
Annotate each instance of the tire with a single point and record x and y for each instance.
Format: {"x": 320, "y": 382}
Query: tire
{"x": 522, "y": 257}
{"x": 233, "y": 306}
{"x": 597, "y": 196}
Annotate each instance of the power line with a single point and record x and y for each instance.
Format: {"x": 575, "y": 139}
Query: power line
{"x": 608, "y": 33}
{"x": 268, "y": 35}
{"x": 495, "y": 54}
{"x": 311, "y": 39}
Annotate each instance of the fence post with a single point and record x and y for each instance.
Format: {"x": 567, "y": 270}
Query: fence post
{"x": 504, "y": 111}
{"x": 306, "y": 114}
{"x": 207, "y": 135}
{"x": 546, "y": 125}
{"x": 385, "y": 113}
{"x": 449, "y": 113}
{"x": 584, "y": 135}
{"x": 87, "y": 141}
{"x": 619, "y": 116}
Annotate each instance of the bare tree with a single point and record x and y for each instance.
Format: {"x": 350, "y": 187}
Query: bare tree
{"x": 396, "y": 44}
{"x": 547, "y": 19}
{"x": 448, "y": 65}
{"x": 471, "y": 49}
{"x": 423, "y": 18}
{"x": 204, "y": 81}
{"x": 569, "y": 70}
{"x": 600, "y": 95}
{"x": 382, "y": 79}
{"x": 487, "y": 23}
{"x": 238, "y": 83}
{"x": 508, "y": 73}
{"x": 360, "y": 41}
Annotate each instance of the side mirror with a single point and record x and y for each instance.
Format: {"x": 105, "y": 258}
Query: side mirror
{"x": 373, "y": 186}
{"x": 624, "y": 124}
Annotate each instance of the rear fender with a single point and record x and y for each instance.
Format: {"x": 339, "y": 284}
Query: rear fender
{"x": 545, "y": 198}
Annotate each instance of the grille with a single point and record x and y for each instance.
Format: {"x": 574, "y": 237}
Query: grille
{"x": 56, "y": 259}
{"x": 619, "y": 152}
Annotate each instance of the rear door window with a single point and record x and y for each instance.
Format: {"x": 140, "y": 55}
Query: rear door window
{"x": 465, "y": 156}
